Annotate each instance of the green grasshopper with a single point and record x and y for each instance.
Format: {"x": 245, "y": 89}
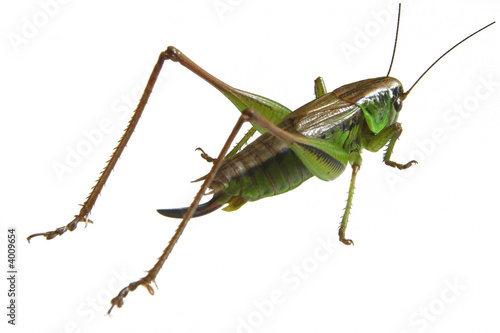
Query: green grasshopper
{"x": 318, "y": 139}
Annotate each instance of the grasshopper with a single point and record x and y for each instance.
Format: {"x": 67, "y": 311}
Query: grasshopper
{"x": 318, "y": 139}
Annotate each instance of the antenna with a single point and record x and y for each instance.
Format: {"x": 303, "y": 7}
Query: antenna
{"x": 395, "y": 41}
{"x": 404, "y": 95}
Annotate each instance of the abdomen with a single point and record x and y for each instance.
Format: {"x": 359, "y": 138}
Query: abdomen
{"x": 264, "y": 168}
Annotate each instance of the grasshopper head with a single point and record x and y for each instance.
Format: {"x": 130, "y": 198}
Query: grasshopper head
{"x": 380, "y": 99}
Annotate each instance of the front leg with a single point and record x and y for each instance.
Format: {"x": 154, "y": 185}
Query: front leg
{"x": 389, "y": 135}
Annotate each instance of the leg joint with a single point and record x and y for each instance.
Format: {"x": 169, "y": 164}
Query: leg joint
{"x": 248, "y": 114}
{"x": 172, "y": 53}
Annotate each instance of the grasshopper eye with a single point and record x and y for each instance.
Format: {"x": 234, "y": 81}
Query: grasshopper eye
{"x": 398, "y": 104}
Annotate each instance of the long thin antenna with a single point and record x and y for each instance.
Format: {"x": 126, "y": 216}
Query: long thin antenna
{"x": 463, "y": 40}
{"x": 395, "y": 41}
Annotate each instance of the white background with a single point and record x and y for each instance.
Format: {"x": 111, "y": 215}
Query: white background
{"x": 437, "y": 226}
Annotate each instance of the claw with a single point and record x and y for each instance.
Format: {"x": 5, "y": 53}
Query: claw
{"x": 409, "y": 164}
{"x": 347, "y": 241}
{"x": 150, "y": 289}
